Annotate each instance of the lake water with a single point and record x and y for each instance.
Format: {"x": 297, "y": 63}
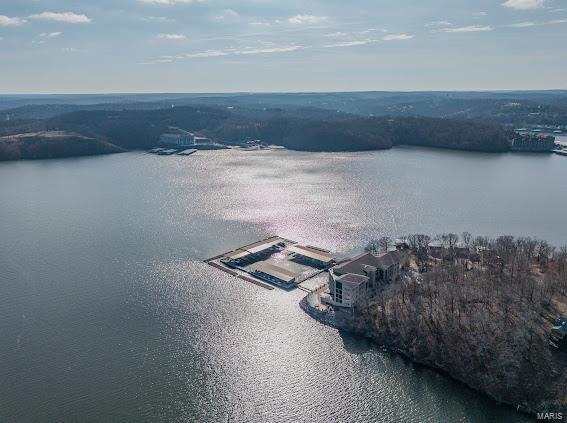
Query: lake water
{"x": 107, "y": 312}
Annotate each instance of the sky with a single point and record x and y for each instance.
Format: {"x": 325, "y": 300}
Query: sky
{"x": 126, "y": 46}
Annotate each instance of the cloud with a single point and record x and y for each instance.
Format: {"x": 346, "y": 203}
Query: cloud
{"x": 399, "y": 37}
{"x": 171, "y": 36}
{"x": 208, "y": 53}
{"x": 523, "y": 4}
{"x": 260, "y": 23}
{"x": 8, "y": 21}
{"x": 160, "y": 19}
{"x": 558, "y": 21}
{"x": 51, "y": 34}
{"x": 227, "y": 14}
{"x": 68, "y": 49}
{"x": 472, "y": 28}
{"x": 165, "y": 2}
{"x": 178, "y": 56}
{"x": 268, "y": 50}
{"x": 157, "y": 62}
{"x": 67, "y": 17}
{"x": 522, "y": 25}
{"x": 219, "y": 53}
{"x": 438, "y": 24}
{"x": 336, "y": 34}
{"x": 307, "y": 19}
{"x": 350, "y": 43}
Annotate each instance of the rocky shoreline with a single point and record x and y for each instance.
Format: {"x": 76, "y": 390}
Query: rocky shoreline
{"x": 356, "y": 324}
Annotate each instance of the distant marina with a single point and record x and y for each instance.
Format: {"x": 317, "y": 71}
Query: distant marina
{"x": 160, "y": 151}
{"x": 177, "y": 141}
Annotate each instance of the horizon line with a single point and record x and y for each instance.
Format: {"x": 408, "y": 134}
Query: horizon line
{"x": 280, "y": 92}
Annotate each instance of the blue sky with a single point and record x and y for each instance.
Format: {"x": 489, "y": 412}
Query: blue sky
{"x": 55, "y": 46}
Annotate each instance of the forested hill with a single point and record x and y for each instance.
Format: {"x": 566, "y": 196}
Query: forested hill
{"x": 134, "y": 129}
{"x": 515, "y": 108}
{"x": 301, "y": 129}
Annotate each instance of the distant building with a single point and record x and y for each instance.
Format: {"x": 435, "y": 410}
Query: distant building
{"x": 361, "y": 277}
{"x": 436, "y": 249}
{"x": 177, "y": 136}
{"x": 201, "y": 140}
{"x": 533, "y": 143}
{"x": 439, "y": 251}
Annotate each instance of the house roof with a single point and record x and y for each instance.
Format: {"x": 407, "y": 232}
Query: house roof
{"x": 358, "y": 264}
{"x": 352, "y": 279}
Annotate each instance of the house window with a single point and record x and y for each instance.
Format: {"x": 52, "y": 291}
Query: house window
{"x": 339, "y": 292}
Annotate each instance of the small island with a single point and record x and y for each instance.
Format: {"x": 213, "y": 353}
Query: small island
{"x": 487, "y": 312}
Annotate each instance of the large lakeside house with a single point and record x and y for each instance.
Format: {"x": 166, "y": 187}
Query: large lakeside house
{"x": 359, "y": 278}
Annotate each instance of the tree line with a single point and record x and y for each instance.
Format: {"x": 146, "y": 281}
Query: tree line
{"x": 484, "y": 317}
{"x": 302, "y": 129}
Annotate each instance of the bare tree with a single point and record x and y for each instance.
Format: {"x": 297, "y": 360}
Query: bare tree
{"x": 373, "y": 246}
{"x": 487, "y": 326}
{"x": 467, "y": 239}
{"x": 384, "y": 243}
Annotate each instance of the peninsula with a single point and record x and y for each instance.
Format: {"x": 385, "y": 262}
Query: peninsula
{"x": 487, "y": 312}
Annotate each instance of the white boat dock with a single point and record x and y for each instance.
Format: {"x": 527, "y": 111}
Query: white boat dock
{"x": 167, "y": 152}
{"x": 187, "y": 152}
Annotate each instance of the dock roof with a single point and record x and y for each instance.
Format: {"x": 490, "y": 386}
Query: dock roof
{"x": 253, "y": 248}
{"x": 259, "y": 246}
{"x": 275, "y": 271}
{"x": 188, "y": 151}
{"x": 312, "y": 253}
{"x": 237, "y": 254}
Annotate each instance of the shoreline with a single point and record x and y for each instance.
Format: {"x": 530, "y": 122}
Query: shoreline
{"x": 116, "y": 150}
{"x": 342, "y": 321}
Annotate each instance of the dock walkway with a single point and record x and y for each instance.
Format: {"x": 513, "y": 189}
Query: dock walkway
{"x": 210, "y": 262}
